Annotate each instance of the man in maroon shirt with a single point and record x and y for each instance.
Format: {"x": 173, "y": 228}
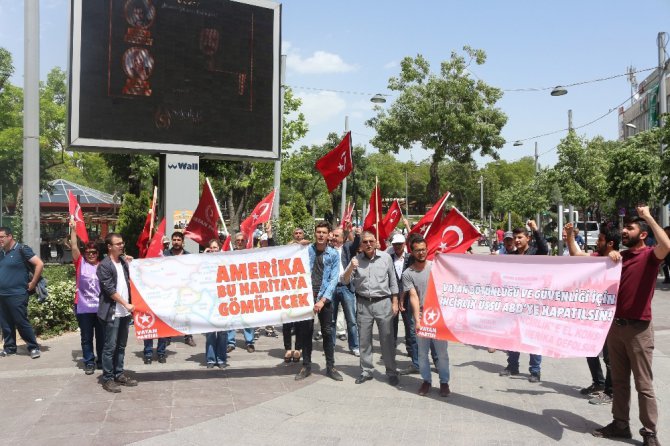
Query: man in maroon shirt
{"x": 631, "y": 338}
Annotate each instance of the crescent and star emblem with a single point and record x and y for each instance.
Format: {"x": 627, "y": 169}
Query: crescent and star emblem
{"x": 458, "y": 232}
{"x": 343, "y": 163}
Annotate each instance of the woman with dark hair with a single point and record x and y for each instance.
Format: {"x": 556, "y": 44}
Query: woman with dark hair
{"x": 216, "y": 341}
{"x": 86, "y": 300}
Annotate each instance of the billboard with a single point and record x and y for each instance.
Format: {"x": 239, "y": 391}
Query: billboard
{"x": 197, "y": 77}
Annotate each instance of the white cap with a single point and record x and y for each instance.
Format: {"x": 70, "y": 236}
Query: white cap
{"x": 398, "y": 238}
{"x": 264, "y": 237}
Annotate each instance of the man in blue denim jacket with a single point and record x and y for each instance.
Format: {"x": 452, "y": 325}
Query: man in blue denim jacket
{"x": 325, "y": 267}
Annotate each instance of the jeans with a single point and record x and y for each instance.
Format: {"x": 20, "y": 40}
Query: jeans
{"x": 440, "y": 347}
{"x": 286, "y": 334}
{"x": 305, "y": 330}
{"x": 534, "y": 363}
{"x": 89, "y": 326}
{"x": 597, "y": 371}
{"x": 161, "y": 345}
{"x": 215, "y": 347}
{"x": 348, "y": 299}
{"x": 14, "y": 316}
{"x": 248, "y": 336}
{"x": 114, "y": 351}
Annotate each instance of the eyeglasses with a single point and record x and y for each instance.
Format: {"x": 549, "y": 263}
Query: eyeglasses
{"x": 369, "y": 242}
{"x": 92, "y": 252}
{"x": 119, "y": 244}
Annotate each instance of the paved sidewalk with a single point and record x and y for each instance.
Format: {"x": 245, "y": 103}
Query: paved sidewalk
{"x": 256, "y": 400}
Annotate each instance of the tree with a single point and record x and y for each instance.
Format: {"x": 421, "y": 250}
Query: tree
{"x": 450, "y": 113}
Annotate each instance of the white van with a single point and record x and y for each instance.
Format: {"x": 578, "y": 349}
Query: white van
{"x": 590, "y": 233}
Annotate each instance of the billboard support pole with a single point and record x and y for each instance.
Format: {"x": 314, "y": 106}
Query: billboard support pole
{"x": 277, "y": 179}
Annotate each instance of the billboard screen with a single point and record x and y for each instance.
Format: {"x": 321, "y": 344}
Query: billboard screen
{"x": 176, "y": 76}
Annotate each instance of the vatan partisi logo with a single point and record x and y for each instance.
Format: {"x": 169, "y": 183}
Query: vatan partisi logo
{"x": 430, "y": 317}
{"x": 144, "y": 321}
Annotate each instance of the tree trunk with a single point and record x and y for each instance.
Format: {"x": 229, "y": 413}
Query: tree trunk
{"x": 433, "y": 187}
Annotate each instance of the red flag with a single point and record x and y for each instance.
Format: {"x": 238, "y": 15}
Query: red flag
{"x": 374, "y": 212}
{"x": 452, "y": 233}
{"x": 392, "y": 217}
{"x": 78, "y": 215}
{"x": 203, "y": 226}
{"x": 145, "y": 236}
{"x": 226, "y": 244}
{"x": 347, "y": 215}
{"x": 156, "y": 246}
{"x": 426, "y": 221}
{"x": 336, "y": 164}
{"x": 261, "y": 214}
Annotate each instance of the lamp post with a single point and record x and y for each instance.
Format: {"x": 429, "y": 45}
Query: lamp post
{"x": 481, "y": 198}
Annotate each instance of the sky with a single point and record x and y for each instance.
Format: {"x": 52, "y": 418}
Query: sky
{"x": 342, "y": 53}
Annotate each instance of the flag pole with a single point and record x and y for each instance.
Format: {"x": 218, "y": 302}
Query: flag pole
{"x": 218, "y": 208}
{"x": 343, "y": 200}
{"x": 153, "y": 213}
{"x": 377, "y": 207}
{"x": 439, "y": 209}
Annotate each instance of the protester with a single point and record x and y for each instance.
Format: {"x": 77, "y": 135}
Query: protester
{"x": 216, "y": 342}
{"x": 344, "y": 293}
{"x": 240, "y": 242}
{"x": 373, "y": 275}
{"x": 523, "y": 247}
{"x": 500, "y": 236}
{"x": 507, "y": 246}
{"x": 288, "y": 329}
{"x": 666, "y": 264}
{"x": 401, "y": 261}
{"x": 177, "y": 249}
{"x": 600, "y": 389}
{"x": 87, "y": 298}
{"x": 631, "y": 338}
{"x": 324, "y": 268}
{"x": 415, "y": 282}
{"x": 115, "y": 311}
{"x": 14, "y": 288}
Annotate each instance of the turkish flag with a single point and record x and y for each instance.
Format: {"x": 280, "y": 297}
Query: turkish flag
{"x": 226, "y": 244}
{"x": 450, "y": 233}
{"x": 204, "y": 225}
{"x": 336, "y": 164}
{"x": 392, "y": 217}
{"x": 145, "y": 235}
{"x": 426, "y": 221}
{"x": 261, "y": 214}
{"x": 374, "y": 211}
{"x": 156, "y": 246}
{"x": 78, "y": 215}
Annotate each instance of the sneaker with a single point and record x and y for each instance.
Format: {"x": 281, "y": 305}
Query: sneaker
{"x": 251, "y": 348}
{"x": 508, "y": 372}
{"x": 424, "y": 389}
{"x": 188, "y": 339}
{"x": 649, "y": 438}
{"x": 147, "y": 360}
{"x": 35, "y": 353}
{"x": 162, "y": 359}
{"x": 444, "y": 390}
{"x": 394, "y": 380}
{"x": 356, "y": 352}
{"x": 534, "y": 378}
{"x": 111, "y": 386}
{"x": 342, "y": 337}
{"x": 89, "y": 369}
{"x": 230, "y": 348}
{"x": 612, "y": 431}
{"x": 304, "y": 372}
{"x": 593, "y": 389}
{"x": 317, "y": 336}
{"x": 410, "y": 370}
{"x": 270, "y": 332}
{"x": 361, "y": 379}
{"x": 601, "y": 398}
{"x": 5, "y": 353}
{"x": 210, "y": 365}
{"x": 332, "y": 373}
{"x": 125, "y": 381}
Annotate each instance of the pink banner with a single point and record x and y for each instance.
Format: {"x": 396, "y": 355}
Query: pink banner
{"x": 553, "y": 306}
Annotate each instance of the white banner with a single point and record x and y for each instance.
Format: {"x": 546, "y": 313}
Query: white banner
{"x": 201, "y": 293}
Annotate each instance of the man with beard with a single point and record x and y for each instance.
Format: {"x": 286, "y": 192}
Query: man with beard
{"x": 607, "y": 245}
{"x": 523, "y": 247}
{"x": 630, "y": 340}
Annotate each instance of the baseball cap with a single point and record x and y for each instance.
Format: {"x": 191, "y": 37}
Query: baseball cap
{"x": 508, "y": 234}
{"x": 165, "y": 239}
{"x": 398, "y": 238}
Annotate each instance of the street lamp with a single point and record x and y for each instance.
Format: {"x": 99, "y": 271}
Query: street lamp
{"x": 517, "y": 143}
{"x": 378, "y": 99}
{"x": 559, "y": 91}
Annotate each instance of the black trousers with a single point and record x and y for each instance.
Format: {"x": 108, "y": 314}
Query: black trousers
{"x": 305, "y": 330}
{"x": 286, "y": 333}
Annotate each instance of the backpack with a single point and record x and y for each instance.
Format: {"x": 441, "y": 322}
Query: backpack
{"x": 41, "y": 287}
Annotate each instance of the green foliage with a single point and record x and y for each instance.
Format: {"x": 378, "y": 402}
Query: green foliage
{"x": 450, "y": 113}
{"x": 55, "y": 315}
{"x": 132, "y": 216}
